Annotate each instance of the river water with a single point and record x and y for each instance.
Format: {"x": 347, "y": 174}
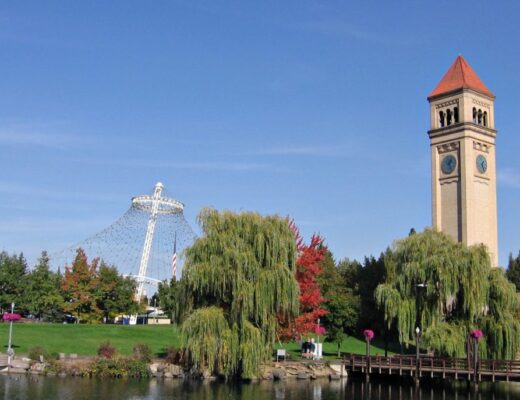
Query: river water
{"x": 18, "y": 387}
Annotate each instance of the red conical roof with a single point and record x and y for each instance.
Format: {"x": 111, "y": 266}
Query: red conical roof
{"x": 460, "y": 76}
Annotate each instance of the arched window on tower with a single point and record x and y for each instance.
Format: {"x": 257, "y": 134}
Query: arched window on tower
{"x": 484, "y": 118}
{"x": 441, "y": 119}
{"x": 456, "y": 114}
{"x": 474, "y": 115}
{"x": 479, "y": 116}
{"x": 449, "y": 115}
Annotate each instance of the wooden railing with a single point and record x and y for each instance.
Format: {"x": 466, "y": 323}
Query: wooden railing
{"x": 458, "y": 368}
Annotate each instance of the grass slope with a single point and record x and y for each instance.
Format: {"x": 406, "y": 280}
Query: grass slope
{"x": 85, "y": 339}
{"x": 330, "y": 350}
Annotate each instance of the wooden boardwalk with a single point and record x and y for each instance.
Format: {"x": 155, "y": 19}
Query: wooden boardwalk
{"x": 434, "y": 367}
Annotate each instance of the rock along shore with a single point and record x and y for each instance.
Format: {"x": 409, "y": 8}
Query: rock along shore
{"x": 81, "y": 366}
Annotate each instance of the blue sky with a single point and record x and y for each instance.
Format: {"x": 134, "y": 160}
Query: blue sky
{"x": 313, "y": 109}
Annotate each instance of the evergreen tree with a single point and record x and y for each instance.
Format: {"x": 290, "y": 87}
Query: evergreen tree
{"x": 371, "y": 275}
{"x": 42, "y": 294}
{"x": 237, "y": 278}
{"x": 513, "y": 271}
{"x": 341, "y": 303}
{"x": 447, "y": 289}
{"x": 13, "y": 273}
{"x": 168, "y": 295}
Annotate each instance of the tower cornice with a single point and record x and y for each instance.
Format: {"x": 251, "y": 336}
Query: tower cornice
{"x": 458, "y": 92}
{"x": 462, "y": 127}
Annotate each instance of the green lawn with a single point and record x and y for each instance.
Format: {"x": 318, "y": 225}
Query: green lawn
{"x": 85, "y": 339}
{"x": 330, "y": 350}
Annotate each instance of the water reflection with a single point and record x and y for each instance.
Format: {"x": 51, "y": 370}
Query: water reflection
{"x": 29, "y": 387}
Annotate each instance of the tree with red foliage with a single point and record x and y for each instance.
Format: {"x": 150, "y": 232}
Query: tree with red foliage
{"x": 308, "y": 268}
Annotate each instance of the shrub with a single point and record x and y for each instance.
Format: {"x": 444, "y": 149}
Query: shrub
{"x": 106, "y": 350}
{"x": 173, "y": 355}
{"x": 136, "y": 368}
{"x": 36, "y": 352}
{"x": 56, "y": 367}
{"x": 142, "y": 352}
{"x": 120, "y": 367}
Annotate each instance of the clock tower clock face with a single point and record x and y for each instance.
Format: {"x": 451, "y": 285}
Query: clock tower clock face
{"x": 448, "y": 164}
{"x": 481, "y": 164}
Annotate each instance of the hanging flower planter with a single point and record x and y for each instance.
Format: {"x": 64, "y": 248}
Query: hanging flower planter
{"x": 369, "y": 334}
{"x": 11, "y": 317}
{"x": 320, "y": 330}
{"x": 476, "y": 334}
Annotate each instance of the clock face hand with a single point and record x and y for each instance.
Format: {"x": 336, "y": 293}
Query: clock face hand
{"x": 481, "y": 163}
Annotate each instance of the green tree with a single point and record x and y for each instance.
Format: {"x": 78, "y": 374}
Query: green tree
{"x": 448, "y": 289}
{"x": 341, "y": 302}
{"x": 13, "y": 273}
{"x": 343, "y": 315}
{"x": 42, "y": 293}
{"x": 513, "y": 271}
{"x": 115, "y": 293}
{"x": 238, "y": 277}
{"x": 362, "y": 280}
{"x": 80, "y": 288}
{"x": 168, "y": 295}
{"x": 370, "y": 276}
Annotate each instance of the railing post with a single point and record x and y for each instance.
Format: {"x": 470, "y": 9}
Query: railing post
{"x": 475, "y": 363}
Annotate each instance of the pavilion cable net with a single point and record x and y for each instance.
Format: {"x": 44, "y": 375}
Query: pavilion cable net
{"x": 146, "y": 243}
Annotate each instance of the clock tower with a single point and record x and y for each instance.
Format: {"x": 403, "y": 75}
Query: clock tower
{"x": 462, "y": 139}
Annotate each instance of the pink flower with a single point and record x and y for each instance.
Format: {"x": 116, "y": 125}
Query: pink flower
{"x": 369, "y": 334}
{"x": 11, "y": 317}
{"x": 476, "y": 334}
{"x": 320, "y": 330}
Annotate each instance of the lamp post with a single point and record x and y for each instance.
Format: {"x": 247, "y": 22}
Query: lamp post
{"x": 418, "y": 287}
{"x": 476, "y": 334}
{"x": 318, "y": 330}
{"x": 417, "y": 353}
{"x": 10, "y": 352}
{"x": 369, "y": 335}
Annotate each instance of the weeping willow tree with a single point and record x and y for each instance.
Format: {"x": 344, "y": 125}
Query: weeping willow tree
{"x": 238, "y": 277}
{"x": 448, "y": 289}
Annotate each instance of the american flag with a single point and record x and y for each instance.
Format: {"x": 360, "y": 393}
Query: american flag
{"x": 174, "y": 259}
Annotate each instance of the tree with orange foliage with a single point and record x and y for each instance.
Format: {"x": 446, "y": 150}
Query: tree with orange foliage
{"x": 80, "y": 286}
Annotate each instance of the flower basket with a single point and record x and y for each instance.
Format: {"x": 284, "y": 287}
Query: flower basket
{"x": 11, "y": 317}
{"x": 476, "y": 334}
{"x": 369, "y": 334}
{"x": 320, "y": 330}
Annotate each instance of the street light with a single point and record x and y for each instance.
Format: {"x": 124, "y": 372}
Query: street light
{"x": 369, "y": 335}
{"x": 417, "y": 340}
{"x": 476, "y": 335}
{"x": 418, "y": 286}
{"x": 10, "y": 352}
{"x": 318, "y": 332}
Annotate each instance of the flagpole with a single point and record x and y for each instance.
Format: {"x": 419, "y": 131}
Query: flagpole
{"x": 174, "y": 258}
